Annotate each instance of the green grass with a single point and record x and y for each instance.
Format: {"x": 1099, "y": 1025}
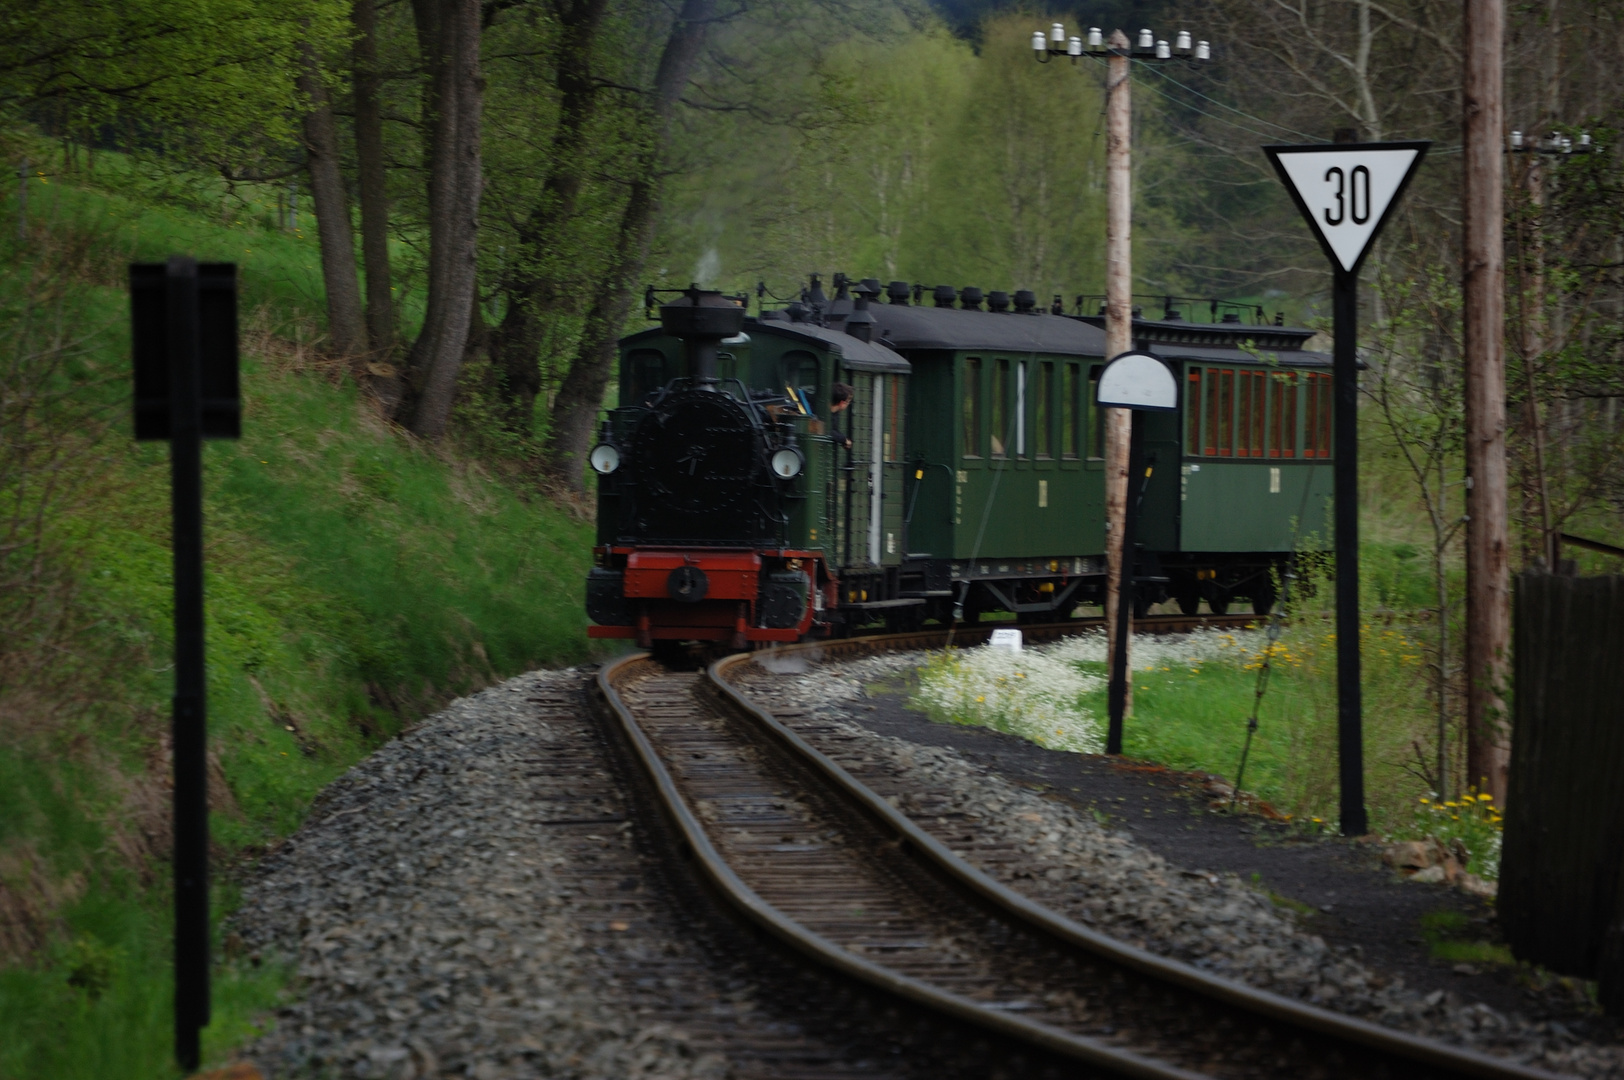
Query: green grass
{"x": 1195, "y": 718}
{"x": 355, "y": 580}
{"x": 1448, "y": 937}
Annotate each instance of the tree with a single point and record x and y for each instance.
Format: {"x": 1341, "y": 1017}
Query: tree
{"x": 531, "y": 282}
{"x": 371, "y": 177}
{"x": 448, "y": 33}
{"x": 346, "y": 325}
{"x": 575, "y": 410}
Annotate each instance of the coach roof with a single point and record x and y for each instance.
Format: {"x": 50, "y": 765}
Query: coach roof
{"x": 994, "y": 331}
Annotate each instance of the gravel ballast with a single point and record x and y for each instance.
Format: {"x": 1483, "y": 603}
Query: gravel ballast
{"x": 1100, "y": 876}
{"x": 472, "y": 901}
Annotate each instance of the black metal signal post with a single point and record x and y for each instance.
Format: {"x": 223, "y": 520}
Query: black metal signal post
{"x": 1345, "y": 469}
{"x": 184, "y": 321}
{"x": 1345, "y": 191}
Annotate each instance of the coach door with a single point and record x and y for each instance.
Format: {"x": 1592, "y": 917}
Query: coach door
{"x": 862, "y": 477}
{"x": 869, "y": 502}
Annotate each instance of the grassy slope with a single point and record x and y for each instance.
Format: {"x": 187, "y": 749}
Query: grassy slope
{"x": 355, "y": 579}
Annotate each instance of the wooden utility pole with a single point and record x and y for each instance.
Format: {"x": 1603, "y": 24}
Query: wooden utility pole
{"x": 1488, "y": 599}
{"x": 1118, "y": 340}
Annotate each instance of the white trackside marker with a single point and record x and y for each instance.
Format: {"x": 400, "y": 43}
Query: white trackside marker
{"x": 1345, "y": 192}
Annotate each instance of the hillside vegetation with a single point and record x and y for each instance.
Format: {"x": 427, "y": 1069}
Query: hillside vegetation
{"x": 356, "y": 578}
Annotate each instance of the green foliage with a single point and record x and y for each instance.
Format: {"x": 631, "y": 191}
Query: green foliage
{"x": 355, "y": 580}
{"x": 210, "y": 77}
{"x": 96, "y": 1005}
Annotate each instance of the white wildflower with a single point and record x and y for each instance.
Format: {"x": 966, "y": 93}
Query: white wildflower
{"x": 1033, "y": 694}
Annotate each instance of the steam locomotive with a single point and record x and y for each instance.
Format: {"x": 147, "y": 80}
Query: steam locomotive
{"x": 740, "y": 503}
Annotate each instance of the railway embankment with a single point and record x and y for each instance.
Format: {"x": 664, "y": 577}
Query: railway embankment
{"x": 357, "y": 580}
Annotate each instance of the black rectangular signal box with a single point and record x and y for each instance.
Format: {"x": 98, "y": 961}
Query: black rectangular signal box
{"x": 217, "y": 350}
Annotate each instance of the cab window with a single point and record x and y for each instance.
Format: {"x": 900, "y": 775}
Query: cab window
{"x": 798, "y": 378}
{"x": 645, "y": 373}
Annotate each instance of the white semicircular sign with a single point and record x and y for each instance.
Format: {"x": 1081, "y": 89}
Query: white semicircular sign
{"x": 1346, "y": 190}
{"x": 1137, "y": 380}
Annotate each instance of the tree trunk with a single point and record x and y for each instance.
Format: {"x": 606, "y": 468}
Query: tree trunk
{"x": 448, "y": 34}
{"x": 373, "y": 192}
{"x": 346, "y": 329}
{"x": 580, "y": 396}
{"x": 532, "y": 284}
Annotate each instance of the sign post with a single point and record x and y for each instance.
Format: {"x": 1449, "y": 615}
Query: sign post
{"x": 1137, "y": 382}
{"x": 1346, "y": 191}
{"x": 184, "y": 321}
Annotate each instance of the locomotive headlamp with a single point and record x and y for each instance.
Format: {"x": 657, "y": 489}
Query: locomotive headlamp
{"x": 605, "y": 459}
{"x": 787, "y": 463}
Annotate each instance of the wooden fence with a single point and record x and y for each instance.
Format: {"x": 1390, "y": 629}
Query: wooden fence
{"x": 1561, "y": 895}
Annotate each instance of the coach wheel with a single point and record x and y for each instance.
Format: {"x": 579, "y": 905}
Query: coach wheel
{"x": 1263, "y": 597}
{"x": 1218, "y": 601}
{"x": 1188, "y": 598}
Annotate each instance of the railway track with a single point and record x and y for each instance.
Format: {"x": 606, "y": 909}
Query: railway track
{"x": 806, "y": 852}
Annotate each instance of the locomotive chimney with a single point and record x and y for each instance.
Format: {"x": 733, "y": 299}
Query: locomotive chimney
{"x": 702, "y": 318}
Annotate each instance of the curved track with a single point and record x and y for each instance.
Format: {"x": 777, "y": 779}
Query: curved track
{"x": 802, "y": 849}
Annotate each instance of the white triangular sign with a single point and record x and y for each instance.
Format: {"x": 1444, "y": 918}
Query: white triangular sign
{"x": 1345, "y": 191}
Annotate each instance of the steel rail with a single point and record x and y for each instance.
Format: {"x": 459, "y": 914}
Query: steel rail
{"x": 826, "y": 952}
{"x": 1441, "y": 1059}
{"x": 1452, "y": 1060}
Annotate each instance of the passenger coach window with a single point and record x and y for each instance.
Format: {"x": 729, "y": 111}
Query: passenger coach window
{"x": 1192, "y": 412}
{"x": 798, "y": 372}
{"x": 1283, "y": 414}
{"x": 1070, "y": 435}
{"x": 645, "y": 373}
{"x": 1249, "y": 429}
{"x": 970, "y": 408}
{"x": 1317, "y": 415}
{"x": 1096, "y": 415}
{"x": 1022, "y": 448}
{"x": 999, "y": 406}
{"x": 1042, "y": 421}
